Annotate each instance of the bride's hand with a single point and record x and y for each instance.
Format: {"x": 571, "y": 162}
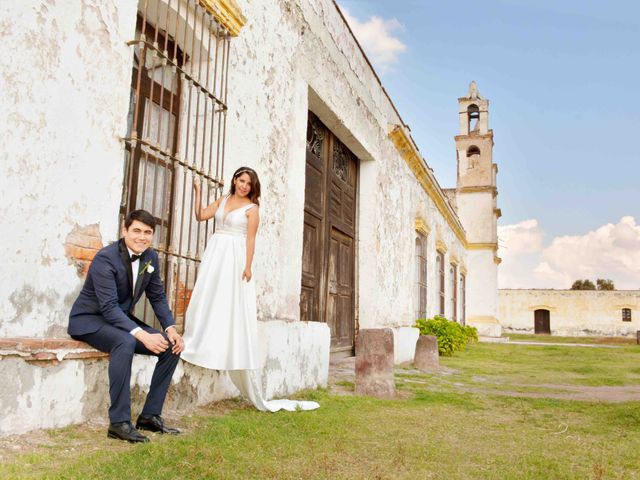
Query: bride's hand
{"x": 246, "y": 275}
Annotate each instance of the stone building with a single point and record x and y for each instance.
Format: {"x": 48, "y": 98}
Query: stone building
{"x": 570, "y": 312}
{"x": 475, "y": 200}
{"x": 114, "y": 105}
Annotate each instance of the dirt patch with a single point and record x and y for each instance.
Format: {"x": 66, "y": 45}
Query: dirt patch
{"x": 567, "y": 392}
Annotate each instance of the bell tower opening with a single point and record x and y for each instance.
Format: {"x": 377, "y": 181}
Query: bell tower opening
{"x": 473, "y": 116}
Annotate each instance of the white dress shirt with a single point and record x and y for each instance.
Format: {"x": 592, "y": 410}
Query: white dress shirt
{"x": 134, "y": 278}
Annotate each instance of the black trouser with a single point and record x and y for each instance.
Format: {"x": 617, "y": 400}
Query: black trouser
{"x": 121, "y": 345}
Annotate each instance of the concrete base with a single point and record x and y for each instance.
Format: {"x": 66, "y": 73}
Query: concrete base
{"x": 493, "y": 339}
{"x": 55, "y": 394}
{"x": 427, "y": 356}
{"x": 404, "y": 343}
{"x": 374, "y": 363}
{"x": 487, "y": 326}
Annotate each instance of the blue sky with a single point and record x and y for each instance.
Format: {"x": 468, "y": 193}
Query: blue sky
{"x": 563, "y": 80}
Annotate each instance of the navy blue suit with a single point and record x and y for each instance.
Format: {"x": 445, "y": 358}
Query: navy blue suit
{"x": 102, "y": 317}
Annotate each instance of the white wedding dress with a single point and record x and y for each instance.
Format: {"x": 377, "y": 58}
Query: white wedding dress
{"x": 221, "y": 327}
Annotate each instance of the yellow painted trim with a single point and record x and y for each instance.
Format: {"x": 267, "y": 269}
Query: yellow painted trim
{"x": 227, "y": 13}
{"x": 482, "y": 246}
{"x": 498, "y": 212}
{"x": 497, "y": 260}
{"x": 422, "y": 227}
{"x": 463, "y": 270}
{"x": 453, "y": 260}
{"x": 410, "y": 154}
{"x": 441, "y": 246}
{"x": 482, "y": 319}
{"x": 478, "y": 189}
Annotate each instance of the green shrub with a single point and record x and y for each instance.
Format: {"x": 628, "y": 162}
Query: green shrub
{"x": 471, "y": 333}
{"x": 451, "y": 335}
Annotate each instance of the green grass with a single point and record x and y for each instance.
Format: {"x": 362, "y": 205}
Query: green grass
{"x": 557, "y": 339}
{"x": 458, "y": 423}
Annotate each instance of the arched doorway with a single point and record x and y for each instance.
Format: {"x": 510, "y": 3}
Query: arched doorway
{"x": 542, "y": 322}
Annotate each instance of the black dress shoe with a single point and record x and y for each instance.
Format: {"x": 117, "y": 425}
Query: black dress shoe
{"x": 125, "y": 431}
{"x": 155, "y": 423}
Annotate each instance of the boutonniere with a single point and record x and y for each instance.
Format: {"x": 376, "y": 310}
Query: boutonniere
{"x": 147, "y": 268}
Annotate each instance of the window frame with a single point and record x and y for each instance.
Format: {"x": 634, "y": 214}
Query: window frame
{"x": 421, "y": 277}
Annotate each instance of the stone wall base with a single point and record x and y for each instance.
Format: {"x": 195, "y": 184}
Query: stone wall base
{"x": 487, "y": 326}
{"x": 404, "y": 343}
{"x": 51, "y": 383}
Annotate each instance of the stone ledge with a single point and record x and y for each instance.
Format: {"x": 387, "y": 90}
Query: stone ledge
{"x": 47, "y": 351}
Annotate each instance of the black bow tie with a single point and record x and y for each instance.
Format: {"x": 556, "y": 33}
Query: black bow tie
{"x": 135, "y": 257}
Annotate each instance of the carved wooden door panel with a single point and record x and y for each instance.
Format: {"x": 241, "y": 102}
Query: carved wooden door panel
{"x": 328, "y": 256}
{"x": 313, "y": 236}
{"x": 340, "y": 291}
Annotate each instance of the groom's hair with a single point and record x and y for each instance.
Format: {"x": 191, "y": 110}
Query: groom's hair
{"x": 142, "y": 216}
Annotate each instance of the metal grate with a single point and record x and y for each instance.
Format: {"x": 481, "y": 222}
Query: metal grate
{"x": 421, "y": 276}
{"x": 463, "y": 299}
{"x": 454, "y": 292}
{"x": 176, "y": 134}
{"x": 441, "y": 287}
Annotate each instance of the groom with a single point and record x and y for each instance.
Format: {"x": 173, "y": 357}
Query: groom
{"x": 102, "y": 317}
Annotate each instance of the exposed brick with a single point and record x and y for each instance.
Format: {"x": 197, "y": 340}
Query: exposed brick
{"x": 80, "y": 253}
{"x": 81, "y": 245}
{"x": 85, "y": 268}
{"x": 93, "y": 230}
{"x": 42, "y": 344}
{"x": 42, "y": 356}
{"x": 85, "y": 241}
{"x": 85, "y": 355}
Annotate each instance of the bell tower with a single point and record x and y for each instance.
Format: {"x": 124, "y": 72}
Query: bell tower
{"x": 476, "y": 199}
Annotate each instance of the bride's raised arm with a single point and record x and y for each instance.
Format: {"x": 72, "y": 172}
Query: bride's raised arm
{"x": 209, "y": 211}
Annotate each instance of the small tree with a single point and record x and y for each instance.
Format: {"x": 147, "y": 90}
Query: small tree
{"x": 583, "y": 285}
{"x": 605, "y": 284}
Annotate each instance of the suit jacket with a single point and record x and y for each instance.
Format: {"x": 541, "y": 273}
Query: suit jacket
{"x": 107, "y": 297}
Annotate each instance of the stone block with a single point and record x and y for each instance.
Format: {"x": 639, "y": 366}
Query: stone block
{"x": 426, "y": 357}
{"x": 374, "y": 363}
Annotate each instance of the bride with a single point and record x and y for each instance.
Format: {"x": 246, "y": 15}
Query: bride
{"x": 221, "y": 328}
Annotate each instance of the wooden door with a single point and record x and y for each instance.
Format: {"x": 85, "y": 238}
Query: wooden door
{"x": 328, "y": 255}
{"x": 542, "y": 322}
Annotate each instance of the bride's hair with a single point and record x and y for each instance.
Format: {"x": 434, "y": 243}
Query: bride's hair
{"x": 254, "y": 193}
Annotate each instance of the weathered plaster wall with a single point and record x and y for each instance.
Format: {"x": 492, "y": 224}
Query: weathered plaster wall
{"x": 572, "y": 312}
{"x": 64, "y": 76}
{"x": 476, "y": 213}
{"x": 482, "y": 281}
{"x": 308, "y": 60}
{"x": 67, "y": 93}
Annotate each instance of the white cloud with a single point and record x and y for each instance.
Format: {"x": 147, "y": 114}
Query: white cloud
{"x": 523, "y": 237}
{"x": 376, "y": 37}
{"x": 611, "y": 251}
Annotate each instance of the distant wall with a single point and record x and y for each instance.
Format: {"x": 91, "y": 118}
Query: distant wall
{"x": 572, "y": 312}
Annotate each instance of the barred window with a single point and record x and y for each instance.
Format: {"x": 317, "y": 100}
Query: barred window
{"x": 626, "y": 314}
{"x": 453, "y": 271}
{"x": 441, "y": 286}
{"x": 176, "y": 133}
{"x": 420, "y": 297}
{"x": 463, "y": 299}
